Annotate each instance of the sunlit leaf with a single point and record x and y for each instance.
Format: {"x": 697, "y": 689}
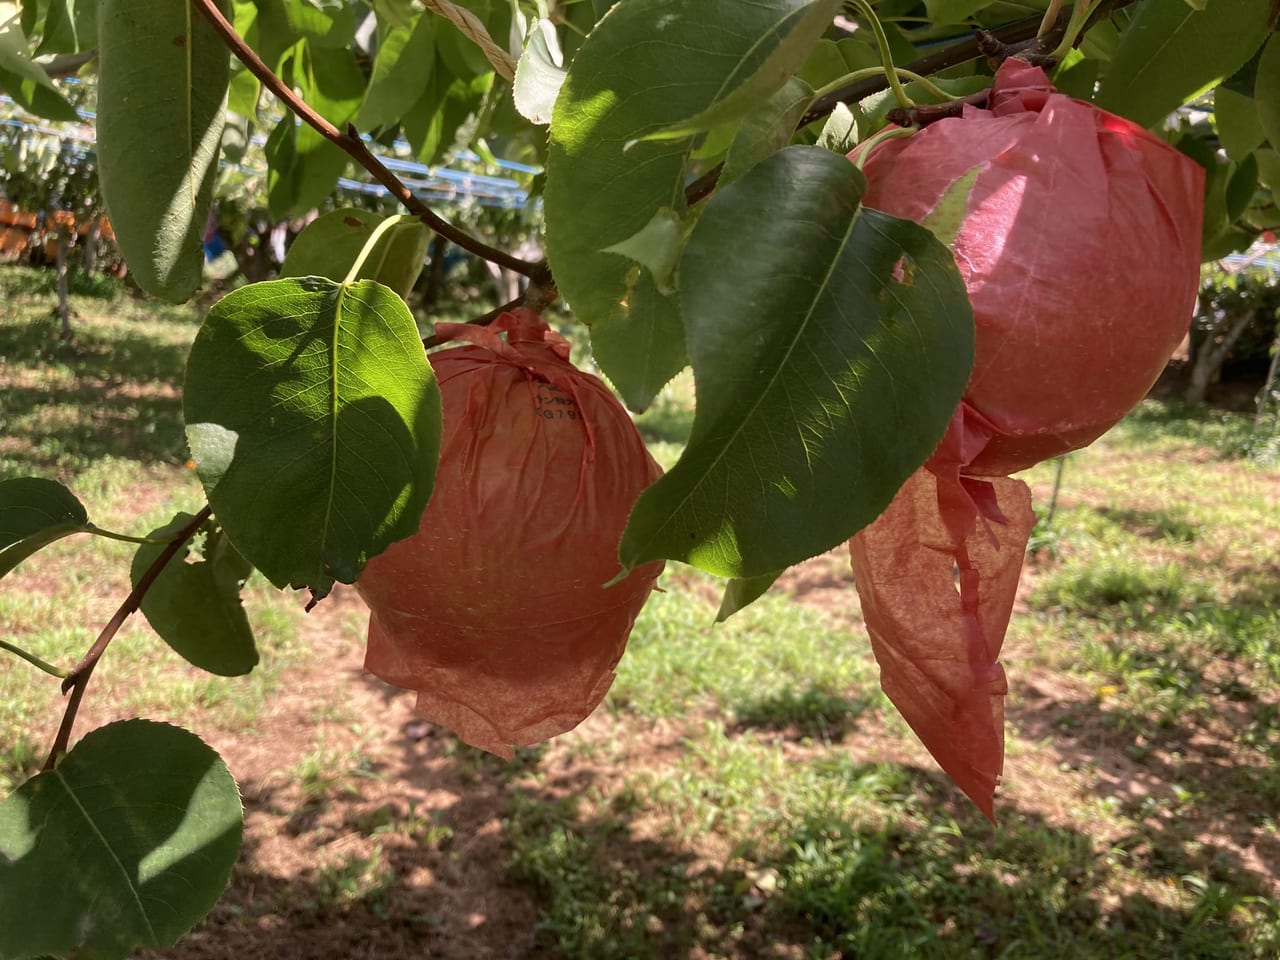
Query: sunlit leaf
{"x": 1171, "y": 52}
{"x": 125, "y": 845}
{"x": 829, "y": 353}
{"x": 314, "y": 421}
{"x": 162, "y": 79}
{"x": 35, "y": 512}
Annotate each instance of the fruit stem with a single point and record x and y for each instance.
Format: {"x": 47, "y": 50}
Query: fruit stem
{"x": 388, "y": 224}
{"x": 882, "y": 41}
{"x": 868, "y": 72}
{"x": 888, "y": 133}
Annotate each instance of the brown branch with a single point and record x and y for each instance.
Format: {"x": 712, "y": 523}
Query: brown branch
{"x": 351, "y": 143}
{"x": 1009, "y": 38}
{"x": 952, "y": 56}
{"x": 924, "y": 114}
{"x": 78, "y": 678}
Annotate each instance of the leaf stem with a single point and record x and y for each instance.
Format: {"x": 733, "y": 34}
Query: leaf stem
{"x": 1050, "y": 20}
{"x": 32, "y": 659}
{"x": 77, "y": 678}
{"x": 1081, "y": 19}
{"x": 886, "y": 56}
{"x": 378, "y": 232}
{"x": 351, "y": 143}
{"x": 866, "y": 72}
{"x": 122, "y": 537}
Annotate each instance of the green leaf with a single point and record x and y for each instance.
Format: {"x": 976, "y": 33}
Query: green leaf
{"x": 404, "y": 65}
{"x": 33, "y": 514}
{"x": 69, "y": 27}
{"x": 125, "y": 845}
{"x": 24, "y": 79}
{"x": 538, "y": 76}
{"x": 656, "y": 247}
{"x": 314, "y": 421}
{"x": 761, "y": 68}
{"x": 1078, "y": 79}
{"x": 767, "y": 129}
{"x": 741, "y": 592}
{"x": 840, "y": 132}
{"x": 1241, "y": 187}
{"x": 433, "y": 123}
{"x": 1267, "y": 90}
{"x": 1269, "y": 171}
{"x": 1171, "y": 53}
{"x": 599, "y": 194}
{"x": 304, "y": 166}
{"x": 325, "y": 23}
{"x": 330, "y": 244}
{"x": 829, "y": 354}
{"x": 195, "y": 607}
{"x": 243, "y": 93}
{"x": 1236, "y": 118}
{"x": 162, "y": 78}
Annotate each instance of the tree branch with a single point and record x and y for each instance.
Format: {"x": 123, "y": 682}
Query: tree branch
{"x": 78, "y": 676}
{"x": 1008, "y": 38}
{"x": 351, "y": 143}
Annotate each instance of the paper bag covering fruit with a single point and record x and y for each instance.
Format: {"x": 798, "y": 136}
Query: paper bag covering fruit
{"x": 496, "y": 610}
{"x": 1077, "y": 234}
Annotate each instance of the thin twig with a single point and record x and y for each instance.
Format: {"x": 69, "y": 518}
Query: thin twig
{"x": 351, "y": 143}
{"x": 536, "y": 298}
{"x": 78, "y": 677}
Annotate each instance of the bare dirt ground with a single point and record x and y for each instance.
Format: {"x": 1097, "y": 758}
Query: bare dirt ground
{"x": 391, "y": 803}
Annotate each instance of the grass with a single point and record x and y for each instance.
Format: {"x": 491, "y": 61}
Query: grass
{"x": 747, "y": 791}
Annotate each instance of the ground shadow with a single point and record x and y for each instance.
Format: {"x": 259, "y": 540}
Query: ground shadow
{"x": 130, "y": 383}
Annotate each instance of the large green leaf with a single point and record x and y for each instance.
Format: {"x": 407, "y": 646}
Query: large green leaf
{"x": 1267, "y": 90}
{"x": 404, "y": 66}
{"x": 329, "y": 246}
{"x": 162, "y": 79}
{"x": 127, "y": 843}
{"x": 195, "y": 607}
{"x": 829, "y": 353}
{"x": 1171, "y": 52}
{"x": 314, "y": 421}
{"x": 35, "y": 512}
{"x": 762, "y": 66}
{"x": 69, "y": 27}
{"x": 1235, "y": 117}
{"x": 24, "y": 79}
{"x": 599, "y": 193}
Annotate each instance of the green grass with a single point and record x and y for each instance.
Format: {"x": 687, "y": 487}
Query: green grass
{"x": 773, "y": 665}
{"x": 750, "y": 830}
